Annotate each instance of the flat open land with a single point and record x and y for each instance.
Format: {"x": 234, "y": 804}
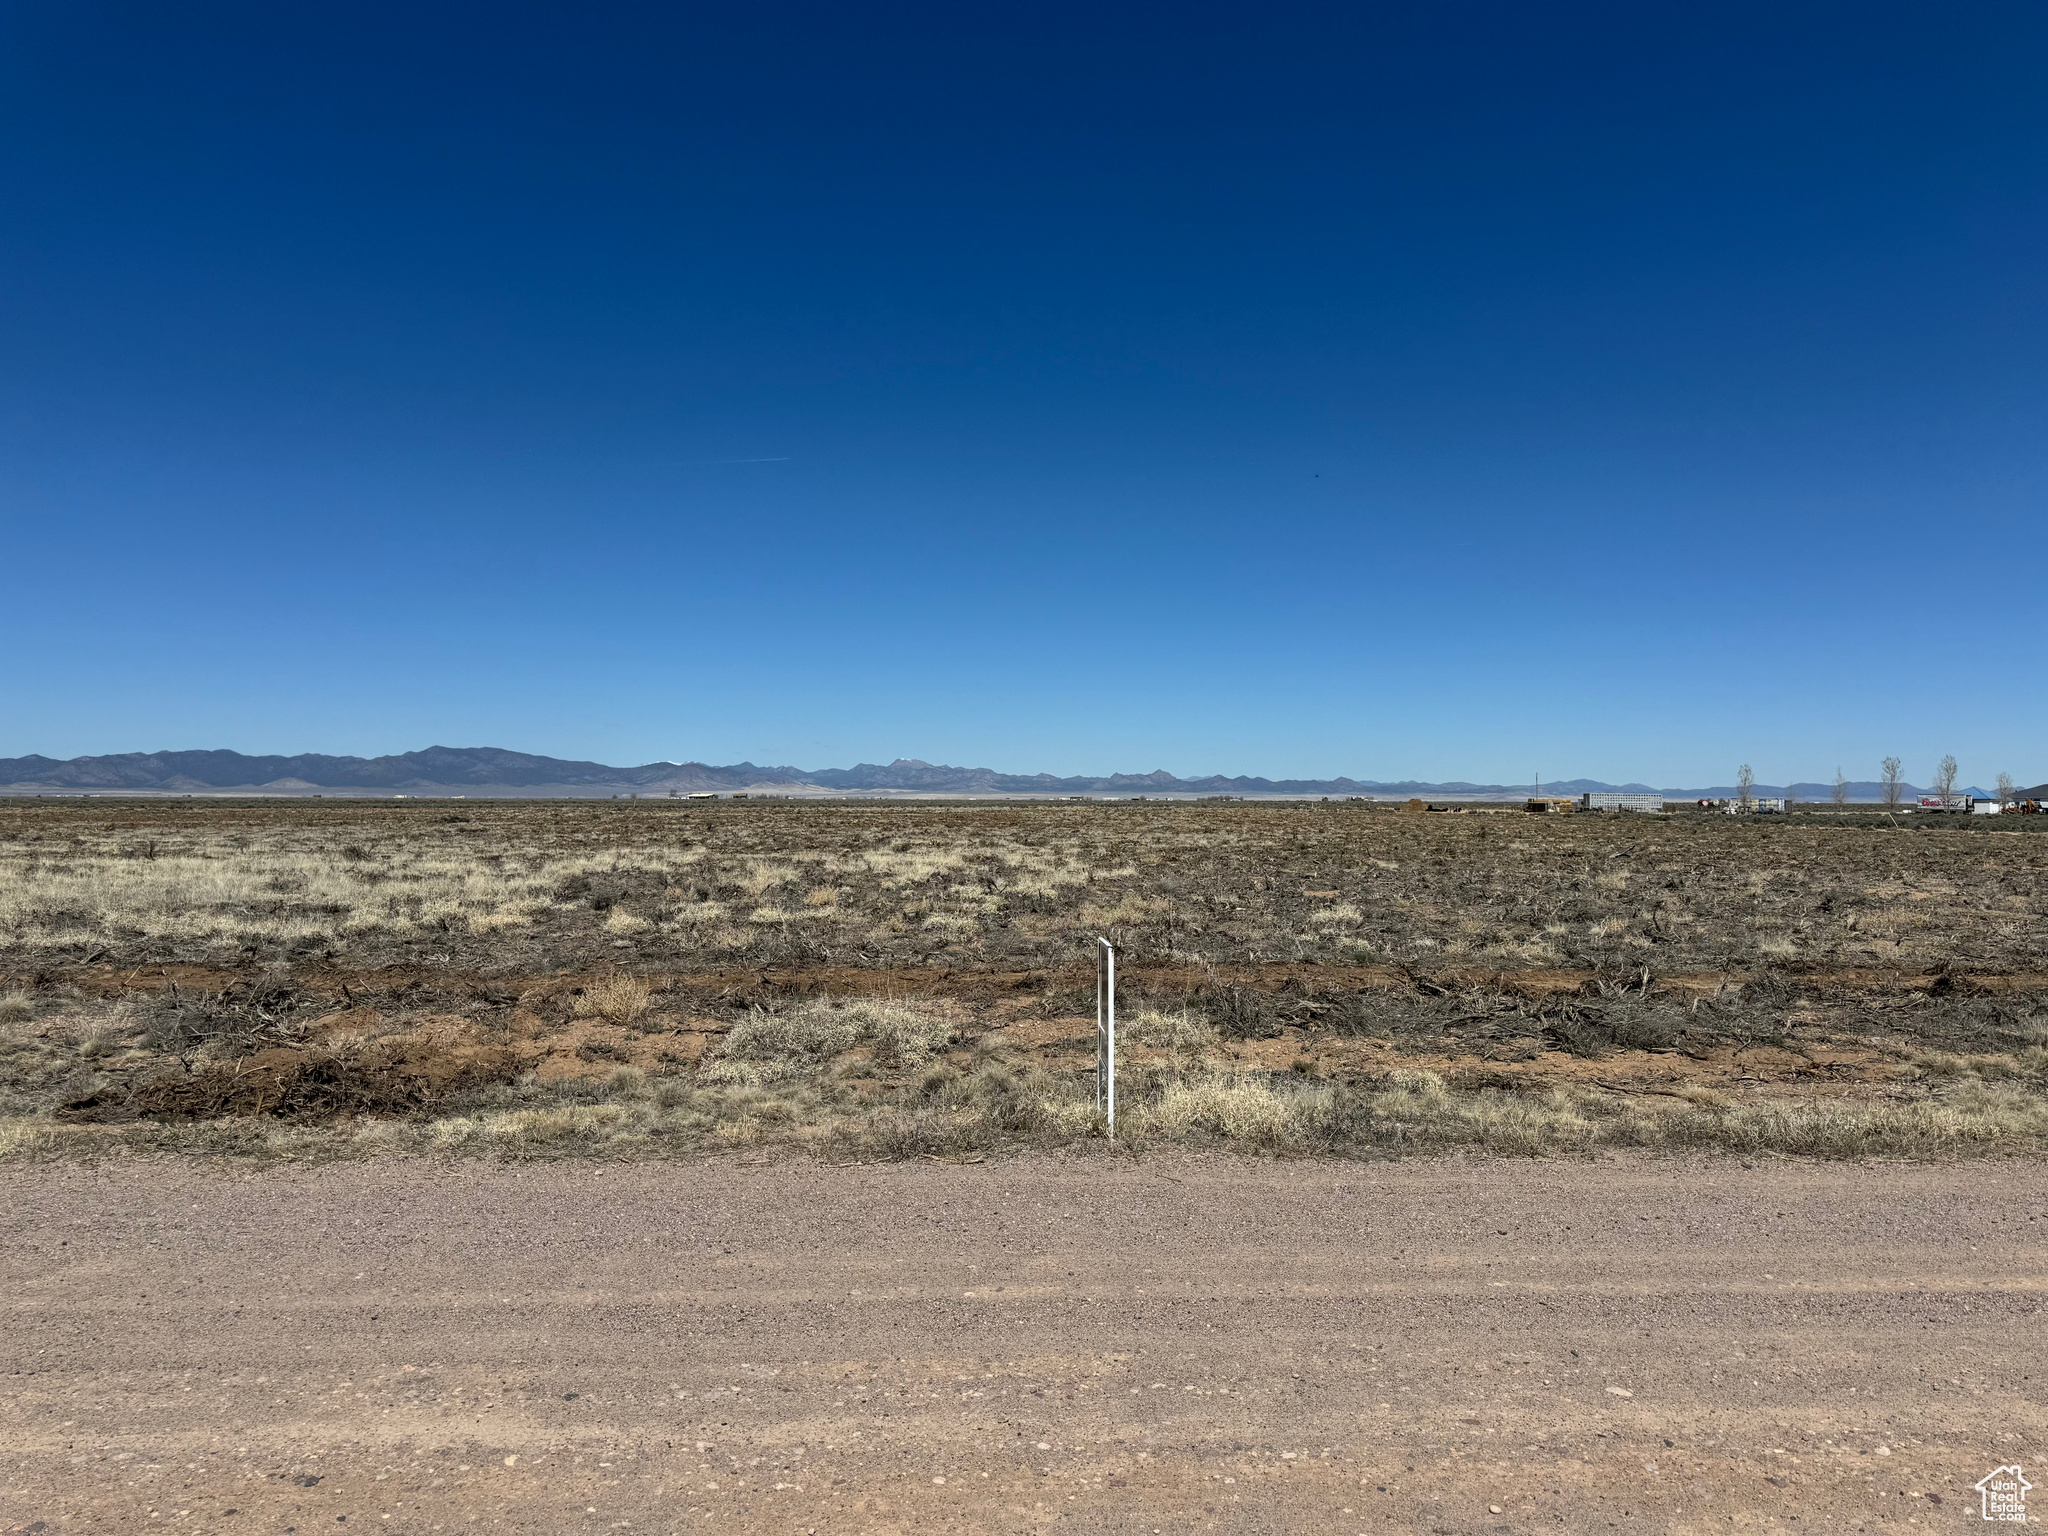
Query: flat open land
{"x": 658, "y": 1167}
{"x": 1188, "y": 1343}
{"x": 298, "y": 978}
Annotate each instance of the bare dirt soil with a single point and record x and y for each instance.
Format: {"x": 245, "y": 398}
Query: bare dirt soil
{"x": 1083, "y": 1342}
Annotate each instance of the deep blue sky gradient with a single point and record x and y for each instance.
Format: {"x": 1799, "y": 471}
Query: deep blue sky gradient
{"x": 1397, "y": 391}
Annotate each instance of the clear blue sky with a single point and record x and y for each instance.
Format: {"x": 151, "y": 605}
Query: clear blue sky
{"x": 1431, "y": 390}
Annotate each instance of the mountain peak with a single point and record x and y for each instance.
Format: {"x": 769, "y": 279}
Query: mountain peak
{"x": 499, "y": 771}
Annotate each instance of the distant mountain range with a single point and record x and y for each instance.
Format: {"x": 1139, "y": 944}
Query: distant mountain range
{"x": 493, "y": 771}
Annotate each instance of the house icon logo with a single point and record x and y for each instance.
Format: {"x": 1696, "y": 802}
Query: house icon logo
{"x": 2004, "y": 1491}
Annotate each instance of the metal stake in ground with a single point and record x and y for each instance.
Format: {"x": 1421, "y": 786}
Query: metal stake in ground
{"x": 1105, "y": 1031}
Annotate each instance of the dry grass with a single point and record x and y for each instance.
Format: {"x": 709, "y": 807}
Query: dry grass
{"x": 1005, "y": 885}
{"x": 617, "y": 999}
{"x": 770, "y": 1047}
{"x": 970, "y": 1113}
{"x": 880, "y": 981}
{"x": 1184, "y": 1036}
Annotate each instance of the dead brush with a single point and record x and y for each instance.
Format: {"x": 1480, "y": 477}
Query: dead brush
{"x": 1243, "y": 1013}
{"x": 225, "y": 1024}
{"x": 348, "y": 1077}
{"x": 1593, "y": 1029}
{"x": 615, "y": 999}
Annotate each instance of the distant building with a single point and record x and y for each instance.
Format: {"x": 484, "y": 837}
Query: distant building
{"x": 1549, "y": 805}
{"x": 1649, "y": 805}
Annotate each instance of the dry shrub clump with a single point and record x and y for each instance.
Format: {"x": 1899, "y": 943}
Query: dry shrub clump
{"x": 1253, "y": 1113}
{"x": 24, "y": 1136}
{"x": 615, "y": 999}
{"x": 1181, "y": 1031}
{"x": 765, "y": 1047}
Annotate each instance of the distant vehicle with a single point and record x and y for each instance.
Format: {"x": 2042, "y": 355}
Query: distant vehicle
{"x": 702, "y": 794}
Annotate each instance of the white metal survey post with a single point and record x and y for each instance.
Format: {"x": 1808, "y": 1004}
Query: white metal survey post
{"x": 1105, "y": 1031}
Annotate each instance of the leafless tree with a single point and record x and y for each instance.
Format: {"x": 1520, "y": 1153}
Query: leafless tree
{"x": 1945, "y": 779}
{"x": 1892, "y": 781}
{"x": 2008, "y": 792}
{"x": 1841, "y": 790}
{"x": 1745, "y": 781}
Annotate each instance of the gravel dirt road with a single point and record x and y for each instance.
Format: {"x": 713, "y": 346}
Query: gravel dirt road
{"x": 1080, "y": 1343}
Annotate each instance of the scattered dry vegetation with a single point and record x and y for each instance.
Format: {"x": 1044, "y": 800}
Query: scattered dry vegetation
{"x": 890, "y": 981}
